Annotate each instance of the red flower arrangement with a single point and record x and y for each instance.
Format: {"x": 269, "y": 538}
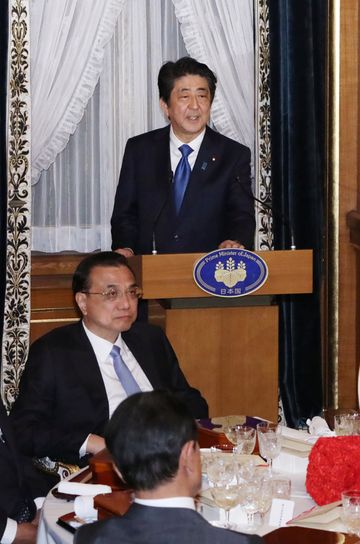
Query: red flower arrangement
{"x": 334, "y": 466}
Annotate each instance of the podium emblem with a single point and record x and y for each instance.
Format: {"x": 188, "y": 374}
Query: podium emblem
{"x": 230, "y": 272}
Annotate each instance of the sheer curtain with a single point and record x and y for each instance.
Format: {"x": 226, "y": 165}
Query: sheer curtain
{"x": 221, "y": 34}
{"x": 67, "y": 49}
{"x": 72, "y": 201}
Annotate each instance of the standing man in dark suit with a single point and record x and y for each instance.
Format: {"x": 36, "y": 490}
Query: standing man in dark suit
{"x": 77, "y": 375}
{"x": 153, "y": 440}
{"x": 20, "y": 483}
{"x": 176, "y": 198}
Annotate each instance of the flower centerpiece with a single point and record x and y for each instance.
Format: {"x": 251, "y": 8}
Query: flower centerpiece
{"x": 334, "y": 466}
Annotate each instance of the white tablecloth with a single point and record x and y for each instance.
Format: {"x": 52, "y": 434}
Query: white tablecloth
{"x": 51, "y": 533}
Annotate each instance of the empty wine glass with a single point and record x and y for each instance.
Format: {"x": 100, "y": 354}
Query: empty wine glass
{"x": 221, "y": 467}
{"x": 243, "y": 438}
{"x": 269, "y": 436}
{"x": 250, "y": 500}
{"x": 265, "y": 497}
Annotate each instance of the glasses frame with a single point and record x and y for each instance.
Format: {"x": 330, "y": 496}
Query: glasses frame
{"x": 108, "y": 297}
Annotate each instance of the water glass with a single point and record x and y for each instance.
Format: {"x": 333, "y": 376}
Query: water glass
{"x": 351, "y": 511}
{"x": 343, "y": 423}
{"x": 243, "y": 437}
{"x": 269, "y": 435}
{"x": 250, "y": 501}
{"x": 281, "y": 488}
{"x": 221, "y": 468}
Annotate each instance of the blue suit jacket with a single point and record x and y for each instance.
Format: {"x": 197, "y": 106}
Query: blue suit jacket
{"x": 217, "y": 205}
{"x": 62, "y": 395}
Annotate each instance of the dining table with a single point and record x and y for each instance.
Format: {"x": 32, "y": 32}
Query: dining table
{"x": 311, "y": 529}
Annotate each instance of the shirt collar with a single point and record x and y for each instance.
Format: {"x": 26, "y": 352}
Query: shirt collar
{"x": 194, "y": 144}
{"x": 101, "y": 346}
{"x": 169, "y": 502}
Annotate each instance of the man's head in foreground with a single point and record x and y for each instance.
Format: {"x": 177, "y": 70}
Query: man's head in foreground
{"x": 153, "y": 440}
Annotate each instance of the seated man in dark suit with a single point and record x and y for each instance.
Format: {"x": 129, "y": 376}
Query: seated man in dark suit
{"x": 20, "y": 483}
{"x": 153, "y": 440}
{"x": 77, "y": 375}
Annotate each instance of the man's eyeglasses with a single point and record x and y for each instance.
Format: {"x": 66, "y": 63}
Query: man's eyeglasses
{"x": 113, "y": 294}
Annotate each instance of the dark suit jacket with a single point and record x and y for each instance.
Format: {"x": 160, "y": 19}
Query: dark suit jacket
{"x": 62, "y": 395}
{"x": 149, "y": 525}
{"x": 217, "y": 205}
{"x": 19, "y": 480}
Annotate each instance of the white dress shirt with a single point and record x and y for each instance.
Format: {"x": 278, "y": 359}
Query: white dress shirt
{"x": 169, "y": 502}
{"x": 114, "y": 390}
{"x": 10, "y": 532}
{"x": 175, "y": 154}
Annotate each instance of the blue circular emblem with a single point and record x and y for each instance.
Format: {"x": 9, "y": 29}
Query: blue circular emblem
{"x": 230, "y": 272}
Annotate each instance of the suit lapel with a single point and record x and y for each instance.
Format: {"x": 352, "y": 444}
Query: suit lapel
{"x": 139, "y": 344}
{"x": 87, "y": 369}
{"x": 161, "y": 165}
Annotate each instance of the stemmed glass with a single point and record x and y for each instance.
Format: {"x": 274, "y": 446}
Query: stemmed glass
{"x": 269, "y": 436}
{"x": 255, "y": 495}
{"x": 243, "y": 438}
{"x": 351, "y": 511}
{"x": 221, "y": 473}
{"x": 249, "y": 501}
{"x": 265, "y": 498}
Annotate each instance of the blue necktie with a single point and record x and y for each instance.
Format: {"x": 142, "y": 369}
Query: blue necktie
{"x": 182, "y": 175}
{"x": 126, "y": 378}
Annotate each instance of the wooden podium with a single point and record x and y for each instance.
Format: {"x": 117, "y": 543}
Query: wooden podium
{"x": 227, "y": 348}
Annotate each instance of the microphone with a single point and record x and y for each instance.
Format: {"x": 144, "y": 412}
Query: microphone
{"x": 284, "y": 220}
{"x": 154, "y": 250}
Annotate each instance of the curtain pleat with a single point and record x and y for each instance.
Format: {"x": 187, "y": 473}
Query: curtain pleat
{"x": 298, "y": 56}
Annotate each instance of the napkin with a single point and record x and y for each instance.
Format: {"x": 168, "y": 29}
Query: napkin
{"x": 319, "y": 427}
{"x": 84, "y": 508}
{"x": 296, "y": 446}
{"x": 74, "y": 488}
{"x": 321, "y": 515}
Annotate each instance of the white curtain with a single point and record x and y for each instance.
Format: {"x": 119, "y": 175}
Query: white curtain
{"x": 67, "y": 49}
{"x": 72, "y": 202}
{"x": 221, "y": 34}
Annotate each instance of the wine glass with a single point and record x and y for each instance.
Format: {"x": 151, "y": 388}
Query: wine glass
{"x": 250, "y": 500}
{"x": 226, "y": 496}
{"x": 221, "y": 473}
{"x": 269, "y": 436}
{"x": 243, "y": 438}
{"x": 351, "y": 511}
{"x": 265, "y": 497}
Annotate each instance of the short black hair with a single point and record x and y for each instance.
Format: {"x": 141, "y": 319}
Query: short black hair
{"x": 145, "y": 436}
{"x": 171, "y": 71}
{"x": 80, "y": 281}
